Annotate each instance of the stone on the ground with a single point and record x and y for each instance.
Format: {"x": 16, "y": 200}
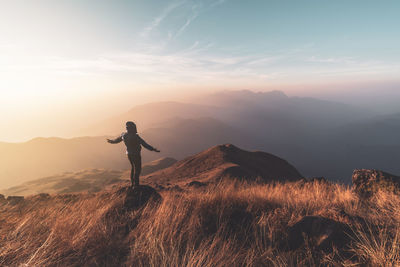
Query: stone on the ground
{"x": 367, "y": 182}
{"x": 323, "y": 233}
{"x": 139, "y": 196}
{"x": 41, "y": 197}
{"x": 196, "y": 184}
{"x": 2, "y": 198}
{"x": 13, "y": 200}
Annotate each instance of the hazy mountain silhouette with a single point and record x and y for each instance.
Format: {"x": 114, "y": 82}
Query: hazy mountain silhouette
{"x": 273, "y": 112}
{"x": 367, "y": 144}
{"x": 378, "y": 130}
{"x": 147, "y": 116}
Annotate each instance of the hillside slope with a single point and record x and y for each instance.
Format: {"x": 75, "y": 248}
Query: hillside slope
{"x": 88, "y": 180}
{"x": 226, "y": 161}
{"x": 290, "y": 224}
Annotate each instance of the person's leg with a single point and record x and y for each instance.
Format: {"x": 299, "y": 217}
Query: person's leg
{"x": 137, "y": 159}
{"x": 131, "y": 160}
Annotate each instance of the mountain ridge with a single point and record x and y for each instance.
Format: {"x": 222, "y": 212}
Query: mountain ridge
{"x": 226, "y": 161}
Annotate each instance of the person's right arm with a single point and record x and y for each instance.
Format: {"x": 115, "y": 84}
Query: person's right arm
{"x": 115, "y": 141}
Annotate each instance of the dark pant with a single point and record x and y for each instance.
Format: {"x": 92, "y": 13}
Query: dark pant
{"x": 136, "y": 163}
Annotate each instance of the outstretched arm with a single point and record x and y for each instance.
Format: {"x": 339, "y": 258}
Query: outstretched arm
{"x": 115, "y": 141}
{"x": 147, "y": 146}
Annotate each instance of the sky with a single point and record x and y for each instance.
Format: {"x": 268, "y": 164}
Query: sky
{"x": 67, "y": 63}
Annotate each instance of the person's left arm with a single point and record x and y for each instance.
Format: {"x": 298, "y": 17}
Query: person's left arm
{"x": 147, "y": 146}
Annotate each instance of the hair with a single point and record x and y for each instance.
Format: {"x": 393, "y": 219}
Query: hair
{"x": 131, "y": 126}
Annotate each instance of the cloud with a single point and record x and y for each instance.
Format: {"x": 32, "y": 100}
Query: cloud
{"x": 191, "y": 9}
{"x": 195, "y": 10}
{"x": 189, "y": 20}
{"x": 335, "y": 60}
{"x": 196, "y": 64}
{"x": 164, "y": 14}
{"x": 265, "y": 60}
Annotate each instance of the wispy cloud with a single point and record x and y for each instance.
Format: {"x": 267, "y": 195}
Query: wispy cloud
{"x": 198, "y": 63}
{"x": 190, "y": 10}
{"x": 192, "y": 17}
{"x": 164, "y": 14}
{"x": 334, "y": 60}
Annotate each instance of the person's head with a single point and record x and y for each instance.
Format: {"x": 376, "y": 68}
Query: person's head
{"x": 131, "y": 127}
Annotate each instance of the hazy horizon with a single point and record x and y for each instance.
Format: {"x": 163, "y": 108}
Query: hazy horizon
{"x": 65, "y": 124}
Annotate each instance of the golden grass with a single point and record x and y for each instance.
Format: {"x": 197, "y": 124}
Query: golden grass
{"x": 231, "y": 224}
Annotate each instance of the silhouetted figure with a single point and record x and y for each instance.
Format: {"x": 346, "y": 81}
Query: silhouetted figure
{"x": 133, "y": 143}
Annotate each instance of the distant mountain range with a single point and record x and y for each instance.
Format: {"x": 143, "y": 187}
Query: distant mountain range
{"x": 320, "y": 138}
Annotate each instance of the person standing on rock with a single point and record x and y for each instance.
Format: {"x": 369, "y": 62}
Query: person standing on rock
{"x": 133, "y": 143}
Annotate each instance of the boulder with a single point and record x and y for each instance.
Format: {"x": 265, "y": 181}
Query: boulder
{"x": 196, "y": 184}
{"x": 13, "y": 200}
{"x": 41, "y": 197}
{"x": 322, "y": 233}
{"x": 367, "y": 182}
{"x": 140, "y": 195}
{"x": 175, "y": 188}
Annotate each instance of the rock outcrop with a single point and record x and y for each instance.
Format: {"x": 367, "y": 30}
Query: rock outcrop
{"x": 227, "y": 161}
{"x": 367, "y": 182}
{"x": 40, "y": 197}
{"x": 196, "y": 184}
{"x": 323, "y": 233}
{"x": 14, "y": 200}
{"x": 139, "y": 196}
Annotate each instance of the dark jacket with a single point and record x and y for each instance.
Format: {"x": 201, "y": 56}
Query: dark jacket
{"x": 133, "y": 143}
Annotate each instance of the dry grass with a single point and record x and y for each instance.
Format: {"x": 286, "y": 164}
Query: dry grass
{"x": 231, "y": 224}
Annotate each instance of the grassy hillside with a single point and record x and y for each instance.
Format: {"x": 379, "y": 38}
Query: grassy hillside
{"x": 92, "y": 180}
{"x": 231, "y": 224}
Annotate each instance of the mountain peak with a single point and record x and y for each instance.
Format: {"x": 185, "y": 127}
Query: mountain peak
{"x": 245, "y": 94}
{"x": 227, "y": 161}
{"x": 226, "y": 148}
